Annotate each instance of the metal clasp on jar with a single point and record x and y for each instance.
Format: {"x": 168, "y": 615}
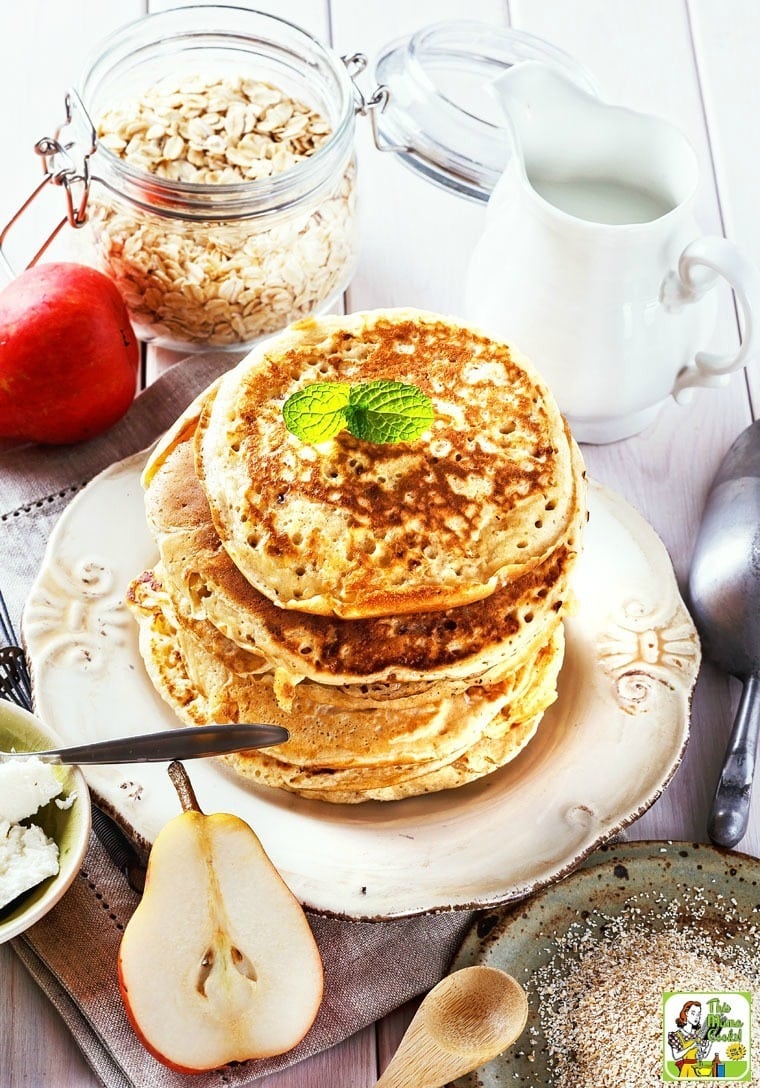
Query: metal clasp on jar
{"x": 76, "y": 136}
{"x": 372, "y": 106}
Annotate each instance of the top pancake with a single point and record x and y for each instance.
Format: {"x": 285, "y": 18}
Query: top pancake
{"x": 356, "y": 529}
{"x": 426, "y": 648}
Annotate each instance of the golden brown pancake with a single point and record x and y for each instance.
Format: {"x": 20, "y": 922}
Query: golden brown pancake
{"x": 343, "y": 755}
{"x": 397, "y": 608}
{"x": 359, "y": 529}
{"x": 457, "y": 644}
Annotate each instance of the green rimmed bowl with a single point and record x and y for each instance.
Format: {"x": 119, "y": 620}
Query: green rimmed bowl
{"x": 69, "y": 828}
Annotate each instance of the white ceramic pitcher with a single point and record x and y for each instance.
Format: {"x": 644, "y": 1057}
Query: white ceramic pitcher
{"x": 592, "y": 263}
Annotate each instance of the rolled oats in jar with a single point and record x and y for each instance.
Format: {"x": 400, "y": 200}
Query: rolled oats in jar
{"x": 224, "y": 201}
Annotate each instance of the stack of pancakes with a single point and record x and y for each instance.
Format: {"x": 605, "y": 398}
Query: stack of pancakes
{"x": 397, "y": 607}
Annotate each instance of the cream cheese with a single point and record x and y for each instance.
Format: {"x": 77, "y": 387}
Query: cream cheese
{"x": 27, "y": 855}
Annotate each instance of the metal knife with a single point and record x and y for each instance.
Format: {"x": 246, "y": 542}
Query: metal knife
{"x": 190, "y": 743}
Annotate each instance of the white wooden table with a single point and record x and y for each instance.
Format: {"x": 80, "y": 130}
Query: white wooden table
{"x": 692, "y": 61}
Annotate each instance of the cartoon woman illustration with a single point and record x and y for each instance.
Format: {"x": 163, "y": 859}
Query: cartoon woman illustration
{"x": 688, "y": 1045}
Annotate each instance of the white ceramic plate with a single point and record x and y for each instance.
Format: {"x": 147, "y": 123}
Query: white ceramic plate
{"x": 601, "y": 756}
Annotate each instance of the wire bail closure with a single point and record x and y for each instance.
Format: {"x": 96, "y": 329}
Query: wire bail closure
{"x": 60, "y": 168}
{"x": 372, "y": 106}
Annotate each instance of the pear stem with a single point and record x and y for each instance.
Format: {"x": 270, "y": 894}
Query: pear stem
{"x": 183, "y": 786}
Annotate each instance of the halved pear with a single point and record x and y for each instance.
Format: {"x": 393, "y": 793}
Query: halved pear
{"x": 218, "y": 962}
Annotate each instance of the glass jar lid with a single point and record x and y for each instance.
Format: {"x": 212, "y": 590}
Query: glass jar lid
{"x": 440, "y": 116}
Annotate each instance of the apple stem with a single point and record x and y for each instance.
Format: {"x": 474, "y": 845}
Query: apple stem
{"x": 183, "y": 786}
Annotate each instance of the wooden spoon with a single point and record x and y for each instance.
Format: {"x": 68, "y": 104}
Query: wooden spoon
{"x": 467, "y": 1019}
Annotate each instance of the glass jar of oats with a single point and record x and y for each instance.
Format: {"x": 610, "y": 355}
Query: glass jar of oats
{"x": 222, "y": 191}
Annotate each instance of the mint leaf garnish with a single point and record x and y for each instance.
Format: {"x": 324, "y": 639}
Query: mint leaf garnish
{"x": 379, "y": 411}
{"x": 318, "y": 411}
{"x": 387, "y": 411}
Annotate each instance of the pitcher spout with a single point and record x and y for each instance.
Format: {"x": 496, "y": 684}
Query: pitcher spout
{"x": 540, "y": 105}
{"x": 588, "y": 158}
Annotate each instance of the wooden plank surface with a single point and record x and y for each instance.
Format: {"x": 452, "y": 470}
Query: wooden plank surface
{"x": 693, "y": 61}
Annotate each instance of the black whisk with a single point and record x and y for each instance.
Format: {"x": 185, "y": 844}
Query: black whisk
{"x": 15, "y": 682}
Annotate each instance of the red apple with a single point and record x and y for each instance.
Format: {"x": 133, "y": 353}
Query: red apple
{"x": 68, "y": 355}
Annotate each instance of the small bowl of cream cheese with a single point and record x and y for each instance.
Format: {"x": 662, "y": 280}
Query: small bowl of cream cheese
{"x": 44, "y": 823}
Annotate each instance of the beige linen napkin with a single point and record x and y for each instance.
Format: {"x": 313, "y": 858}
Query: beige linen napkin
{"x": 370, "y": 968}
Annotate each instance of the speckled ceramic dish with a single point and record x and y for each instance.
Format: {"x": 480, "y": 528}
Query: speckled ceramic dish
{"x": 709, "y": 893}
{"x": 624, "y": 695}
{"x": 68, "y": 827}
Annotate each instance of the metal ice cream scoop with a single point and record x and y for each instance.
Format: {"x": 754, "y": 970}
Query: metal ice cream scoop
{"x": 724, "y": 587}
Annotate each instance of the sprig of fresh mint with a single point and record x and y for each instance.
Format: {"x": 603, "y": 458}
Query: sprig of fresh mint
{"x": 379, "y": 411}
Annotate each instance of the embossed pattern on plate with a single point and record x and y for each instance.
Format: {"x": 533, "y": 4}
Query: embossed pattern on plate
{"x": 624, "y": 692}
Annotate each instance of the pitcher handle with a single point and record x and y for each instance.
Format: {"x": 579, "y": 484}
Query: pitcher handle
{"x": 700, "y": 266}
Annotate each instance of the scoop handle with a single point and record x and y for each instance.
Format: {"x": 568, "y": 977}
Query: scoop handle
{"x": 730, "y": 808}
